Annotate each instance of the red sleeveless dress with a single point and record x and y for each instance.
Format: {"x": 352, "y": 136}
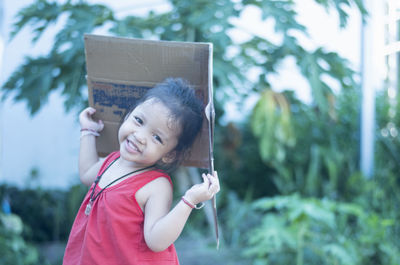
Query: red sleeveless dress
{"x": 112, "y": 233}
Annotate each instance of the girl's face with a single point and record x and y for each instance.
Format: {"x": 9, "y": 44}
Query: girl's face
{"x": 148, "y": 134}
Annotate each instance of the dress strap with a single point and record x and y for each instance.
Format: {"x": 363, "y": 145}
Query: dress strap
{"x": 144, "y": 178}
{"x": 109, "y": 159}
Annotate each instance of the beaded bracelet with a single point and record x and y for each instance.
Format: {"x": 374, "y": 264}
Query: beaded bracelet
{"x": 191, "y": 205}
{"x": 86, "y": 131}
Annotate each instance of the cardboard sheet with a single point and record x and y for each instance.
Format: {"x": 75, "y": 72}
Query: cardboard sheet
{"x": 121, "y": 70}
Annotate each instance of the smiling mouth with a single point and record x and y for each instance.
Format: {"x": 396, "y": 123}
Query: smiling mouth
{"x": 133, "y": 146}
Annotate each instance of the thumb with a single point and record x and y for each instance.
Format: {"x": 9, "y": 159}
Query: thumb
{"x": 101, "y": 125}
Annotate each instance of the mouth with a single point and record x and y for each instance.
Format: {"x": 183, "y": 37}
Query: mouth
{"x": 132, "y": 147}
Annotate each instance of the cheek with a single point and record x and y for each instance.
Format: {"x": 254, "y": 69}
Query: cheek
{"x": 119, "y": 135}
{"x": 173, "y": 145}
{"x": 121, "y": 132}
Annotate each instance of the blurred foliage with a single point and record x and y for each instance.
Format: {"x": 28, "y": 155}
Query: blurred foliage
{"x": 238, "y": 216}
{"x": 384, "y": 188}
{"x": 14, "y": 250}
{"x": 63, "y": 69}
{"x": 48, "y": 214}
{"x": 297, "y": 230}
{"x": 326, "y": 149}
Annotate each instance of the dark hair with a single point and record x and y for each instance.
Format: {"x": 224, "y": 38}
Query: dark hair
{"x": 186, "y": 109}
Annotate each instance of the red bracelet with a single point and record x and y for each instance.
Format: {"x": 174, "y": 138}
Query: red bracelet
{"x": 192, "y": 205}
{"x": 85, "y": 131}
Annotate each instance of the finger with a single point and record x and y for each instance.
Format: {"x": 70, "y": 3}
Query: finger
{"x": 86, "y": 114}
{"x": 214, "y": 181}
{"x": 215, "y": 174}
{"x": 214, "y": 188}
{"x": 86, "y": 111}
{"x": 91, "y": 110}
{"x": 206, "y": 180}
{"x": 211, "y": 188}
{"x": 101, "y": 125}
{"x": 214, "y": 184}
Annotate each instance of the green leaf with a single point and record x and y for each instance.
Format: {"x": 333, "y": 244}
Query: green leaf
{"x": 339, "y": 254}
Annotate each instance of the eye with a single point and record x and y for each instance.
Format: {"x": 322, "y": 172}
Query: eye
{"x": 138, "y": 120}
{"x": 158, "y": 139}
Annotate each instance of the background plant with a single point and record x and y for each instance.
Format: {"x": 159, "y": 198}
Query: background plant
{"x": 297, "y": 230}
{"x": 13, "y": 248}
{"x": 62, "y": 69}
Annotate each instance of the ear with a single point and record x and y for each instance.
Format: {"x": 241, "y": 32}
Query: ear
{"x": 169, "y": 158}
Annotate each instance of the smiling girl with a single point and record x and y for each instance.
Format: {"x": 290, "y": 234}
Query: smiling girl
{"x": 126, "y": 216}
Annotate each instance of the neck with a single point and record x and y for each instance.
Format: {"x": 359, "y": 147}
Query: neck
{"x": 129, "y": 165}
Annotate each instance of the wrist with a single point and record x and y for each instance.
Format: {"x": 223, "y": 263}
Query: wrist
{"x": 191, "y": 205}
{"x": 87, "y": 131}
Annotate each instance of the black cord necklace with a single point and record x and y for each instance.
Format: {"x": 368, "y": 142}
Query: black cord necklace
{"x": 92, "y": 199}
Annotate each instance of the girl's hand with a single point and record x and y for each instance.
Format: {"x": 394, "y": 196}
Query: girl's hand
{"x": 203, "y": 191}
{"x": 86, "y": 120}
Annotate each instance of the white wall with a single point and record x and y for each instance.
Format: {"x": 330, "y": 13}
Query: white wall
{"x": 49, "y": 141}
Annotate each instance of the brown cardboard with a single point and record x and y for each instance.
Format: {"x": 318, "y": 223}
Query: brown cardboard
{"x": 120, "y": 70}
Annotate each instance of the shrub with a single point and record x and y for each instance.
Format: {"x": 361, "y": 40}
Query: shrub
{"x": 13, "y": 248}
{"x": 295, "y": 230}
{"x": 48, "y": 214}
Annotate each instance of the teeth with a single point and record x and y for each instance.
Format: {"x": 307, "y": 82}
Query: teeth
{"x": 130, "y": 143}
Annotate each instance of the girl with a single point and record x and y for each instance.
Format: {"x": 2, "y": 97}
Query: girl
{"x": 125, "y": 217}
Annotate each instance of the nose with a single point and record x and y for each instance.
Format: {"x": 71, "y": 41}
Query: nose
{"x": 140, "y": 136}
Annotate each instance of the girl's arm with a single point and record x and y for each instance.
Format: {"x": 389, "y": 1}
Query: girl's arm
{"x": 89, "y": 161}
{"x": 162, "y": 228}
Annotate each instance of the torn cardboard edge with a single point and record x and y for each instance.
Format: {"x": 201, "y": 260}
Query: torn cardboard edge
{"x": 121, "y": 70}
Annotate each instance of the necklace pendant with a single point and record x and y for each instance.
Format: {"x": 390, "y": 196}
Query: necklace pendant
{"x": 88, "y": 208}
